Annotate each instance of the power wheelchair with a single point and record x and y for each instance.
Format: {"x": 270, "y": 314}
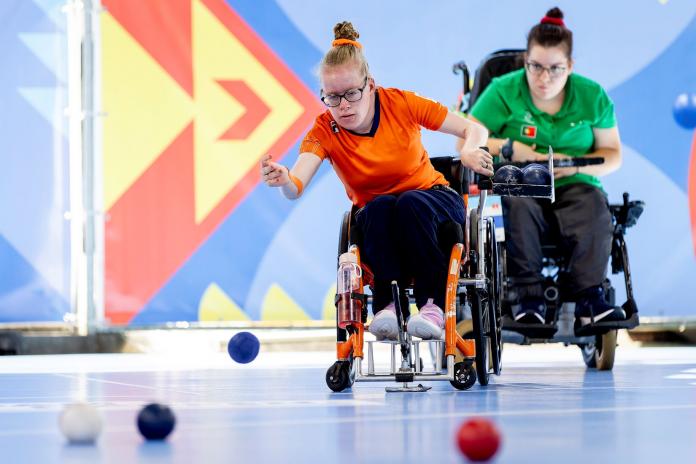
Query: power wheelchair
{"x": 464, "y": 356}
{"x": 598, "y": 340}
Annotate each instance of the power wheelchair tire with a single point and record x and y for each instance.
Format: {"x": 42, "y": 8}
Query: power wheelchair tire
{"x": 600, "y": 355}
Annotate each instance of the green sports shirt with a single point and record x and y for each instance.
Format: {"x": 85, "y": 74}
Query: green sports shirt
{"x": 506, "y": 109}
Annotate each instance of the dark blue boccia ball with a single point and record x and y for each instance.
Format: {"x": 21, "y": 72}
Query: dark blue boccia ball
{"x": 508, "y": 174}
{"x": 243, "y": 347}
{"x": 684, "y": 110}
{"x": 156, "y": 421}
{"x": 536, "y": 174}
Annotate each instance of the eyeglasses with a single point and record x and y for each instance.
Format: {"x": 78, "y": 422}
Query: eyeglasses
{"x": 351, "y": 96}
{"x": 537, "y": 70}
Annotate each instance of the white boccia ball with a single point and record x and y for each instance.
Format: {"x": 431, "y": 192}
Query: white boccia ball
{"x": 80, "y": 423}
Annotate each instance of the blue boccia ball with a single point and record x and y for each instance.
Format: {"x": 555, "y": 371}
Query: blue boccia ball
{"x": 508, "y": 174}
{"x": 243, "y": 347}
{"x": 684, "y": 110}
{"x": 156, "y": 421}
{"x": 536, "y": 174}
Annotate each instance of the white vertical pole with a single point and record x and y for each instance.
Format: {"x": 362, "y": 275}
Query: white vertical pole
{"x": 97, "y": 167}
{"x": 92, "y": 197}
{"x": 74, "y": 10}
{"x": 86, "y": 231}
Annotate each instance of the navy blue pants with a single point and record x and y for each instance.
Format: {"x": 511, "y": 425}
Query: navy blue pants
{"x": 400, "y": 242}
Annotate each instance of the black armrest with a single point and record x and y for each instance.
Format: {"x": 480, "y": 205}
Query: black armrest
{"x": 626, "y": 215}
{"x": 454, "y": 172}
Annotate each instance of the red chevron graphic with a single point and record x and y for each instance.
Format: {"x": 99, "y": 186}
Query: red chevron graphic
{"x": 152, "y": 229}
{"x": 163, "y": 28}
{"x": 256, "y": 110}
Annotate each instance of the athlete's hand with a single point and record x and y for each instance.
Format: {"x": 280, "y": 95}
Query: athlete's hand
{"x": 559, "y": 173}
{"x": 522, "y": 152}
{"x": 478, "y": 160}
{"x": 274, "y": 174}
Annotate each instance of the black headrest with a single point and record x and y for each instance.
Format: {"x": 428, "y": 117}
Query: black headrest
{"x": 496, "y": 64}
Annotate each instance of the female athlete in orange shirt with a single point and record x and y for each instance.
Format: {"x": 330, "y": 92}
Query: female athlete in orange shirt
{"x": 371, "y": 136}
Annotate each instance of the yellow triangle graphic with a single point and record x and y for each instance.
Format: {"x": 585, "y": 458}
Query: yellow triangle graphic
{"x": 279, "y": 306}
{"x": 146, "y": 109}
{"x": 219, "y": 55}
{"x": 329, "y": 308}
{"x": 216, "y": 305}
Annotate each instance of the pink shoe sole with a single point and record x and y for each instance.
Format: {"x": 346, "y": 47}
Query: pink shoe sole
{"x": 418, "y": 326}
{"x": 385, "y": 326}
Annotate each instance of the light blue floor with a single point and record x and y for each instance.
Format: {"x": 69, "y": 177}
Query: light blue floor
{"x": 278, "y": 409}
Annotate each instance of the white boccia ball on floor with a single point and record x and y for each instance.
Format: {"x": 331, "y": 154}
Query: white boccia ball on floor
{"x": 80, "y": 423}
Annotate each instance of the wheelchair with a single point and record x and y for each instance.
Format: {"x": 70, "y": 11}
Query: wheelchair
{"x": 597, "y": 341}
{"x": 473, "y": 280}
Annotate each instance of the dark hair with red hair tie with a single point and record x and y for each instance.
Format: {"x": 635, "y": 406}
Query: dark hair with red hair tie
{"x": 551, "y": 20}
{"x": 551, "y": 32}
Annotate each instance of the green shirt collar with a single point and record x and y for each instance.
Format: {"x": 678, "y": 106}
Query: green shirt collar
{"x": 527, "y": 97}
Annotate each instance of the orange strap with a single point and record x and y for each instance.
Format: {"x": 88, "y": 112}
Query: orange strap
{"x": 297, "y": 182}
{"x": 339, "y": 42}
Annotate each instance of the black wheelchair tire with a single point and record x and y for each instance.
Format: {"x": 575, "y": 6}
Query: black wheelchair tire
{"x": 344, "y": 235}
{"x": 494, "y": 271}
{"x": 479, "y": 308}
{"x": 479, "y": 314}
{"x": 343, "y": 242}
{"x": 464, "y": 376}
{"x": 339, "y": 376}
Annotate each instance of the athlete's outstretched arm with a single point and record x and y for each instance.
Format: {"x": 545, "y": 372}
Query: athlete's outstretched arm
{"x": 291, "y": 181}
{"x": 472, "y": 136}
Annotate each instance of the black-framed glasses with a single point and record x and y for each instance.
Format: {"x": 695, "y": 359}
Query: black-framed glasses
{"x": 351, "y": 96}
{"x": 537, "y": 69}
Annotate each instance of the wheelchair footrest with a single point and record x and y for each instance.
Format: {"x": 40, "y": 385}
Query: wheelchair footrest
{"x": 530, "y": 330}
{"x": 600, "y": 328}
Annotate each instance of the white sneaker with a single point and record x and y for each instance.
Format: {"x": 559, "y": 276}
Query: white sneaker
{"x": 384, "y": 325}
{"x": 428, "y": 323}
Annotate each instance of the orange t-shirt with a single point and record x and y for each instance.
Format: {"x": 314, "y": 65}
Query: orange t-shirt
{"x": 389, "y": 160}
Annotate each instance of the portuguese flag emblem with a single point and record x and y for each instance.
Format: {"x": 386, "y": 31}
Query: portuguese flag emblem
{"x": 529, "y": 132}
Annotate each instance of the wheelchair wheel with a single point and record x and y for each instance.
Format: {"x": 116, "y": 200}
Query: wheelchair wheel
{"x": 495, "y": 275}
{"x": 464, "y": 376}
{"x": 344, "y": 234}
{"x": 600, "y": 354}
{"x": 343, "y": 242}
{"x": 480, "y": 318}
{"x": 480, "y": 315}
{"x": 339, "y": 376}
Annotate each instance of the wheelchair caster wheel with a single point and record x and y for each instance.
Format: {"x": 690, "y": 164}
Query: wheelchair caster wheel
{"x": 600, "y": 354}
{"x": 339, "y": 376}
{"x": 464, "y": 376}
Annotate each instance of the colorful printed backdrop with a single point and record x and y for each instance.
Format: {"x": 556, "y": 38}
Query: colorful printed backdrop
{"x": 196, "y": 91}
{"x": 34, "y": 234}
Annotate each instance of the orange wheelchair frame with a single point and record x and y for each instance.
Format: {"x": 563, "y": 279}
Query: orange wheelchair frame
{"x": 473, "y": 275}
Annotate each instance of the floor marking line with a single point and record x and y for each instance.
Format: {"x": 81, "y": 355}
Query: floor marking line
{"x": 398, "y": 417}
{"x": 124, "y": 384}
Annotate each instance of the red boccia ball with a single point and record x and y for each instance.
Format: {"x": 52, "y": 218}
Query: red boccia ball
{"x": 479, "y": 439}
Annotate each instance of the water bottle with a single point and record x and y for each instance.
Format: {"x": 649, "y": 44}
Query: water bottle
{"x": 348, "y": 281}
